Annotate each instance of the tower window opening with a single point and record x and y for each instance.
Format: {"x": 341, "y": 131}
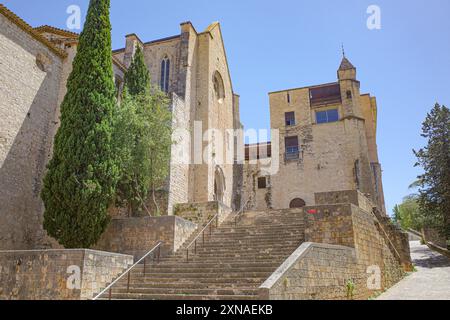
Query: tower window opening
{"x": 349, "y": 94}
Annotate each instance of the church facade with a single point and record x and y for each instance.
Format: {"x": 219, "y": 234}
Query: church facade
{"x": 190, "y": 67}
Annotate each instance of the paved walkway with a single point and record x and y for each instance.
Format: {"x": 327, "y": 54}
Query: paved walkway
{"x": 431, "y": 281}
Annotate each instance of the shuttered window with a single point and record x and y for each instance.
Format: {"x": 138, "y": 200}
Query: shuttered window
{"x": 292, "y": 149}
{"x": 290, "y": 118}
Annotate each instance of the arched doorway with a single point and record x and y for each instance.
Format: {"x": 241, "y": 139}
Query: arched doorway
{"x": 219, "y": 185}
{"x": 297, "y": 203}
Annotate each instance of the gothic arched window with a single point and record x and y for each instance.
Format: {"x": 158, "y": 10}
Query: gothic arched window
{"x": 219, "y": 89}
{"x": 165, "y": 73}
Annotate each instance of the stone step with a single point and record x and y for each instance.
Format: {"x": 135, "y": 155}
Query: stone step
{"x": 159, "y": 281}
{"x": 276, "y": 219}
{"x": 169, "y": 284}
{"x": 263, "y": 227}
{"x": 193, "y": 275}
{"x": 249, "y": 237}
{"x": 245, "y": 246}
{"x": 204, "y": 269}
{"x": 213, "y": 243}
{"x": 243, "y": 250}
{"x": 194, "y": 259}
{"x": 231, "y": 264}
{"x": 263, "y": 224}
{"x": 231, "y": 256}
{"x": 185, "y": 291}
{"x": 208, "y": 257}
{"x": 230, "y": 241}
{"x": 214, "y": 264}
{"x": 262, "y": 235}
{"x": 124, "y": 296}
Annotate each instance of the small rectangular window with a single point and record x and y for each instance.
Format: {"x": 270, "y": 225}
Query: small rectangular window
{"x": 288, "y": 98}
{"x": 326, "y": 116}
{"x": 262, "y": 183}
{"x": 290, "y": 118}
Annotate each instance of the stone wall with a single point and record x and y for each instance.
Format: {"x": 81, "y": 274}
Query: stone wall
{"x": 374, "y": 249}
{"x": 45, "y": 274}
{"x": 30, "y": 78}
{"x": 201, "y": 213}
{"x": 336, "y": 197}
{"x": 346, "y": 246}
{"x": 345, "y": 196}
{"x": 316, "y": 271}
{"x": 396, "y": 239}
{"x": 137, "y": 236}
{"x": 348, "y": 225}
{"x": 330, "y": 224}
{"x": 365, "y": 247}
{"x": 342, "y": 224}
{"x": 180, "y": 155}
{"x": 256, "y": 199}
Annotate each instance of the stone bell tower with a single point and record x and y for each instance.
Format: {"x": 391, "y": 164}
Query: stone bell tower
{"x": 350, "y": 91}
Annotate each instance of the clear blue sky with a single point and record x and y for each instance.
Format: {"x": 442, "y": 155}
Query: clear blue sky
{"x": 273, "y": 45}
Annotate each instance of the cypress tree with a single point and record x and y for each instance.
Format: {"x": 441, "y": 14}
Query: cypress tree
{"x": 83, "y": 173}
{"x": 137, "y": 77}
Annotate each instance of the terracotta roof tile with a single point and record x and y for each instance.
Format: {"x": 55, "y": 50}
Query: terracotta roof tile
{"x": 28, "y": 29}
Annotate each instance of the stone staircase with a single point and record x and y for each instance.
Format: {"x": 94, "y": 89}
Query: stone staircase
{"x": 231, "y": 265}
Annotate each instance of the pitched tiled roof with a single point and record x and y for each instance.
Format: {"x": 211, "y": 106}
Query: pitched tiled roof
{"x": 61, "y": 32}
{"x": 28, "y": 29}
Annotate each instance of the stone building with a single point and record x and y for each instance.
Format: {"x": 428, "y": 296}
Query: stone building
{"x": 326, "y": 142}
{"x": 326, "y": 137}
{"x": 295, "y": 219}
{"x": 190, "y": 67}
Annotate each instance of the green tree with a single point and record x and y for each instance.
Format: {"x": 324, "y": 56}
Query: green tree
{"x": 137, "y": 77}
{"x": 144, "y": 132}
{"x": 145, "y": 135}
{"x": 82, "y": 175}
{"x": 407, "y": 214}
{"x": 160, "y": 129}
{"x": 434, "y": 192}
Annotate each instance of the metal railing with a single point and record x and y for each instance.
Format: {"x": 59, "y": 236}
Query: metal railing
{"x": 240, "y": 212}
{"x": 202, "y": 234}
{"x": 292, "y": 153}
{"x": 386, "y": 235}
{"x": 128, "y": 271}
{"x": 208, "y": 228}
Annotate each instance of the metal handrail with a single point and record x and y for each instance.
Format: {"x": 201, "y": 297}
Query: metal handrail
{"x": 240, "y": 212}
{"x": 210, "y": 225}
{"x": 202, "y": 234}
{"x": 127, "y": 272}
{"x": 386, "y": 235}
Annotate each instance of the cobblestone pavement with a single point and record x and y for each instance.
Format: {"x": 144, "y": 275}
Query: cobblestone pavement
{"x": 431, "y": 281}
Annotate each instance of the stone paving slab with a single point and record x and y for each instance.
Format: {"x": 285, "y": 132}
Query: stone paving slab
{"x": 430, "y": 282}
